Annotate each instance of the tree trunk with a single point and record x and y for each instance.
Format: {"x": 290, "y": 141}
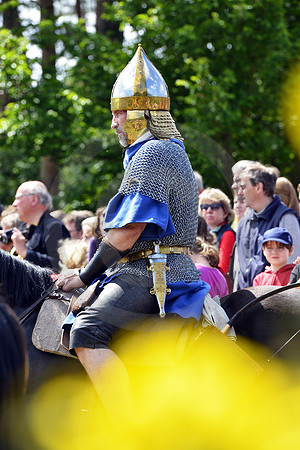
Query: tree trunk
{"x": 79, "y": 9}
{"x": 104, "y": 26}
{"x": 47, "y": 41}
{"x": 11, "y": 17}
{"x": 49, "y": 174}
{"x": 48, "y": 167}
{"x": 11, "y": 21}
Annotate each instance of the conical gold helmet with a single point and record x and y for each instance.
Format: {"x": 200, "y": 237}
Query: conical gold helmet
{"x": 140, "y": 86}
{"x": 141, "y": 90}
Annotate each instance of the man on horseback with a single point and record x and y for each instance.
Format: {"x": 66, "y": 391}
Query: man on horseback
{"x": 152, "y": 218}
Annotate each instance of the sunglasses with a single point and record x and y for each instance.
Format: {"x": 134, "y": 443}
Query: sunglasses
{"x": 212, "y": 206}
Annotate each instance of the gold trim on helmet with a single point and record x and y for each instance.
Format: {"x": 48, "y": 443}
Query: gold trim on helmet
{"x": 134, "y": 103}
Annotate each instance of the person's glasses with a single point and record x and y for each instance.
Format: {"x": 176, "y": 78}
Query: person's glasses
{"x": 236, "y": 183}
{"x": 212, "y": 206}
{"x": 22, "y": 195}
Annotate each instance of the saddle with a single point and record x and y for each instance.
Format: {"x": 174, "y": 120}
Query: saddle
{"x": 54, "y": 305}
{"x": 48, "y": 334}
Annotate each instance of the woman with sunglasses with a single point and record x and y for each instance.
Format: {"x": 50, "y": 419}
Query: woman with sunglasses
{"x": 215, "y": 207}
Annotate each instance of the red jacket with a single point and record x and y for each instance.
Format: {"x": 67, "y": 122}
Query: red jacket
{"x": 268, "y": 277}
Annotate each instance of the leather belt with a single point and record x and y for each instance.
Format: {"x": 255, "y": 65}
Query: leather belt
{"x": 164, "y": 250}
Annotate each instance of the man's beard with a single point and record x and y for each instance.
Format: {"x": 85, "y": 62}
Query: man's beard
{"x": 123, "y": 139}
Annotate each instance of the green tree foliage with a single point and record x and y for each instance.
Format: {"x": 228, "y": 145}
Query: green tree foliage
{"x": 224, "y": 62}
{"x": 67, "y": 119}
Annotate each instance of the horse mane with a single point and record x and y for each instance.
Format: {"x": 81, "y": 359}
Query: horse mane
{"x": 22, "y": 281}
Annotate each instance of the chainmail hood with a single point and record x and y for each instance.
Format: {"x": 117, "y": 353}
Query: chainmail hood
{"x": 162, "y": 125}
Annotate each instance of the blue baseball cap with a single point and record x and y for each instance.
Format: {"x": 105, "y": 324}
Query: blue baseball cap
{"x": 278, "y": 234}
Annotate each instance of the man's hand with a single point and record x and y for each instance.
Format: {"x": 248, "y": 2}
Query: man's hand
{"x": 84, "y": 299}
{"x": 69, "y": 279}
{"x": 19, "y": 242}
{"x": 78, "y": 305}
{"x": 297, "y": 260}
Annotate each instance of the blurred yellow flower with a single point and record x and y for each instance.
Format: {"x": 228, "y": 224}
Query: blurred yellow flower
{"x": 290, "y": 106}
{"x": 210, "y": 396}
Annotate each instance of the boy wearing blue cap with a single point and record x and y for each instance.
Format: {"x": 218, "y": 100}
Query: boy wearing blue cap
{"x": 277, "y": 246}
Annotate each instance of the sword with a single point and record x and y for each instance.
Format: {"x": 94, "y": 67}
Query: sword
{"x": 158, "y": 267}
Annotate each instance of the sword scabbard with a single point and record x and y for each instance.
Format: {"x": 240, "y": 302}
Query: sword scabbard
{"x": 158, "y": 267}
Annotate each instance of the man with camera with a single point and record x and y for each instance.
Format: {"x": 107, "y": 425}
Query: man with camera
{"x": 38, "y": 240}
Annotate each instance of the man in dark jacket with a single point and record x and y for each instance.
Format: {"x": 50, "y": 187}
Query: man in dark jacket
{"x": 32, "y": 203}
{"x": 265, "y": 211}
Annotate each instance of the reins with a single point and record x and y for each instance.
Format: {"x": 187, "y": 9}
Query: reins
{"x": 286, "y": 343}
{"x": 50, "y": 292}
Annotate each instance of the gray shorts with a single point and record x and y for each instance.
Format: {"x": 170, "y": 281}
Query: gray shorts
{"x": 123, "y": 303}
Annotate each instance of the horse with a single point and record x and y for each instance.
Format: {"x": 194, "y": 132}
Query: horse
{"x": 21, "y": 284}
{"x": 271, "y": 322}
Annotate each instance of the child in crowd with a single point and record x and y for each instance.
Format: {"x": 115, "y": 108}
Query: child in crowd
{"x": 277, "y": 247}
{"x": 73, "y": 253}
{"x": 97, "y": 231}
{"x": 206, "y": 259}
{"x": 87, "y": 226}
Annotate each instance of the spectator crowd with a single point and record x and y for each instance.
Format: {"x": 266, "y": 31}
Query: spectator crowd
{"x": 231, "y": 251}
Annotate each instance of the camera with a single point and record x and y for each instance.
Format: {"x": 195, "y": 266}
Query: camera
{"x": 5, "y": 238}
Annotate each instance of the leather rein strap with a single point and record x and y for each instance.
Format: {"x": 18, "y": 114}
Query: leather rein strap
{"x": 50, "y": 292}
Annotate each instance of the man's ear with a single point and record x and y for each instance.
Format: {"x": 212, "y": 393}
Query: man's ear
{"x": 291, "y": 251}
{"x": 259, "y": 187}
{"x": 35, "y": 200}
